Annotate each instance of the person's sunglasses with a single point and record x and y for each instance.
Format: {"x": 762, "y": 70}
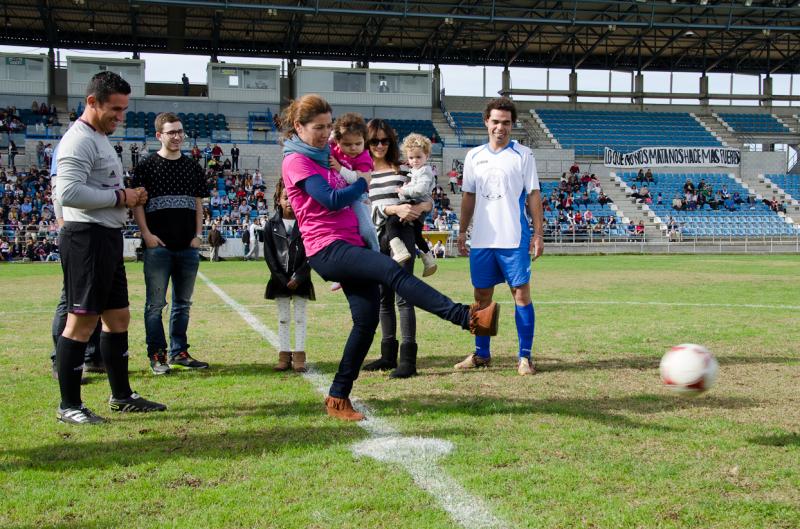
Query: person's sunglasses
{"x": 383, "y": 141}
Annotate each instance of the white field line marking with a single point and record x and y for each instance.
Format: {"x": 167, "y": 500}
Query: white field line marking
{"x": 416, "y": 455}
{"x": 563, "y": 302}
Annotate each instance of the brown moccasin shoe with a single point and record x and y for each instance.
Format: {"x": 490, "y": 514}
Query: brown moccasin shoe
{"x": 483, "y": 322}
{"x": 342, "y": 409}
{"x": 284, "y": 361}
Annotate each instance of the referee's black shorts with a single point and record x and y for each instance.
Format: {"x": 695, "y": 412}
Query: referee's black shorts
{"x": 94, "y": 271}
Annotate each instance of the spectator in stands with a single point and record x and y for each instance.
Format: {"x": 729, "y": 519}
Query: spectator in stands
{"x": 603, "y": 199}
{"x": 207, "y": 154}
{"x": 691, "y": 201}
{"x": 48, "y": 154}
{"x": 673, "y": 229}
{"x": 452, "y": 177}
{"x": 118, "y": 150}
{"x": 639, "y": 231}
{"x": 185, "y": 83}
{"x": 290, "y": 279}
{"x": 40, "y": 154}
{"x": 335, "y": 251}
{"x": 134, "y": 154}
{"x": 688, "y": 187}
{"x": 640, "y": 176}
{"x": 12, "y": 154}
{"x": 73, "y": 116}
{"x": 631, "y": 228}
{"x": 226, "y": 165}
{"x": 737, "y": 198}
{"x": 574, "y": 168}
{"x": 216, "y": 152}
{"x": 648, "y": 176}
{"x": 235, "y": 157}
{"x": 144, "y": 152}
{"x": 43, "y": 110}
{"x": 196, "y": 154}
{"x": 35, "y": 107}
{"x": 171, "y": 223}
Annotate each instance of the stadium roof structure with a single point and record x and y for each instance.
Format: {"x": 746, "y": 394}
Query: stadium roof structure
{"x": 742, "y": 36}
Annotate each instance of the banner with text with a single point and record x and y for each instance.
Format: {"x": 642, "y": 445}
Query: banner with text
{"x": 674, "y": 156}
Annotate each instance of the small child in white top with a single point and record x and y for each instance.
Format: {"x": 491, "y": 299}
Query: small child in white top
{"x": 417, "y": 149}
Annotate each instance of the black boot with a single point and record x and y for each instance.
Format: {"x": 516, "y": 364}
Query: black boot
{"x": 408, "y": 362}
{"x": 388, "y": 359}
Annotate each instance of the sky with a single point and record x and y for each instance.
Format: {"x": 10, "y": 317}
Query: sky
{"x": 461, "y": 80}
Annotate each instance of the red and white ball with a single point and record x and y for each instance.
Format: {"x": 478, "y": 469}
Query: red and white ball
{"x": 688, "y": 368}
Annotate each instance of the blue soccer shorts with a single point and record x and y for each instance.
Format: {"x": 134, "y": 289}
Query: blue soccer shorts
{"x": 491, "y": 266}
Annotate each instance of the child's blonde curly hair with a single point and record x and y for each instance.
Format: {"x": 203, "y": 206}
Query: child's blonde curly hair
{"x": 416, "y": 141}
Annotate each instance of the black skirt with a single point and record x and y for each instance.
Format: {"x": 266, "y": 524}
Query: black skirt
{"x": 275, "y": 289}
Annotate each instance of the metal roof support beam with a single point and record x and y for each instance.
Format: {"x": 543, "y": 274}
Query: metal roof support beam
{"x": 792, "y": 24}
{"x": 730, "y": 51}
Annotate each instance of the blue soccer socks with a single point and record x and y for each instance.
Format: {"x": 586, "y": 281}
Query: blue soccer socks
{"x": 525, "y": 318}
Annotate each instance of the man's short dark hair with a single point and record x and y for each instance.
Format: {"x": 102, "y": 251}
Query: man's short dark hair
{"x": 500, "y": 103}
{"x": 105, "y": 84}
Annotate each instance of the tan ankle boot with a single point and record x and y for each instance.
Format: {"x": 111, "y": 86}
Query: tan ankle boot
{"x": 284, "y": 361}
{"x": 430, "y": 264}
{"x": 342, "y": 409}
{"x": 299, "y": 361}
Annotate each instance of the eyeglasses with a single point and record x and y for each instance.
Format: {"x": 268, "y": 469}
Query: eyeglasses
{"x": 173, "y": 133}
{"x": 383, "y": 141}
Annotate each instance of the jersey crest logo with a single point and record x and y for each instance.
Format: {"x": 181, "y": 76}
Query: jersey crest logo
{"x": 494, "y": 184}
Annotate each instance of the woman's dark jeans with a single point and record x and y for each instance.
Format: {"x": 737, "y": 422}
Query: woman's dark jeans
{"x": 360, "y": 271}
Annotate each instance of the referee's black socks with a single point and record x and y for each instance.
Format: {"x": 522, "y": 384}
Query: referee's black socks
{"x": 114, "y": 351}
{"x": 69, "y": 364}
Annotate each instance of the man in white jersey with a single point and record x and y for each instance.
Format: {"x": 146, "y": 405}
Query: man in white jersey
{"x": 500, "y": 183}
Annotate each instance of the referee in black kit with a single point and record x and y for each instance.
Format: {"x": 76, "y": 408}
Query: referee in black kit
{"x": 94, "y": 201}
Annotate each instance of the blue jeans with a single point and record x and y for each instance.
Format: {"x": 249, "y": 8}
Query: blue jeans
{"x": 360, "y": 271}
{"x": 161, "y": 265}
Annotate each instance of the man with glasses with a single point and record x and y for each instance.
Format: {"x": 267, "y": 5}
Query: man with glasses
{"x": 171, "y": 223}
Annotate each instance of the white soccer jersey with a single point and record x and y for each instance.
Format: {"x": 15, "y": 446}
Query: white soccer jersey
{"x": 501, "y": 181}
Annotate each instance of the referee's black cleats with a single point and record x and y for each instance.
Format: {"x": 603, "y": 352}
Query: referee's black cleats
{"x": 134, "y": 404}
{"x": 78, "y": 415}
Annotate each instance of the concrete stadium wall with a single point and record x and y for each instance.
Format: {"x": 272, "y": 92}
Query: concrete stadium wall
{"x": 550, "y": 163}
{"x": 196, "y": 105}
{"x": 755, "y": 163}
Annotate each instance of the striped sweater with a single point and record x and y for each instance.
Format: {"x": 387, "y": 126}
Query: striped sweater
{"x": 383, "y": 192}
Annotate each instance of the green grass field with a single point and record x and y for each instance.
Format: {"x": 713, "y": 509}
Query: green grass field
{"x": 592, "y": 441}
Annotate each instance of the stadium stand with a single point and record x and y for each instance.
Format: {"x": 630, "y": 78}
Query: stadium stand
{"x": 754, "y": 123}
{"x": 565, "y": 211}
{"x": 789, "y": 183}
{"x": 588, "y": 132}
{"x": 404, "y": 127}
{"x": 739, "y": 215}
{"x": 196, "y": 125}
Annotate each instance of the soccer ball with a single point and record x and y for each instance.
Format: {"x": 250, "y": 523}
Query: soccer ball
{"x": 688, "y": 368}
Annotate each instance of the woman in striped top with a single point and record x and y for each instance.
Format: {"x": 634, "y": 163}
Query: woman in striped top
{"x": 386, "y": 178}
